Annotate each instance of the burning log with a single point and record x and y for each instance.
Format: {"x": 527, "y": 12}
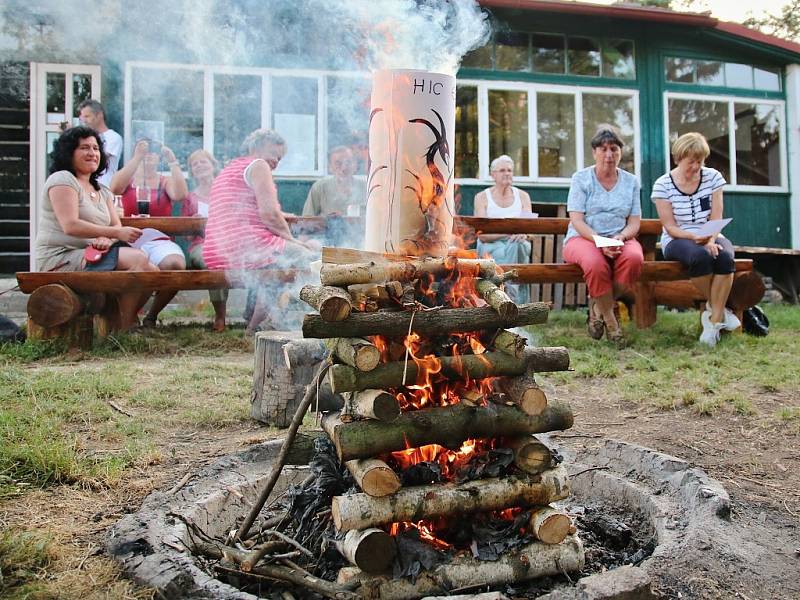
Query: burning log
{"x": 530, "y": 455}
{"x": 430, "y": 322}
{"x": 531, "y": 561}
{"x": 510, "y": 343}
{"x": 332, "y": 303}
{"x": 371, "y": 404}
{"x": 472, "y": 366}
{"x": 427, "y": 502}
{"x": 371, "y": 550}
{"x": 356, "y": 352}
{"x": 447, "y": 425}
{"x": 549, "y": 525}
{"x": 523, "y": 391}
{"x": 374, "y": 477}
{"x": 371, "y": 272}
{"x": 497, "y": 299}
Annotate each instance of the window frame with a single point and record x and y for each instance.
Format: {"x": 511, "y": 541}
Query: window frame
{"x": 267, "y": 75}
{"x": 731, "y": 99}
{"x": 533, "y": 180}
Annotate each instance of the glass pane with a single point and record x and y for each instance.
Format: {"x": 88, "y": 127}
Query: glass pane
{"x": 81, "y": 90}
{"x": 583, "y": 56}
{"x": 708, "y": 118}
{"x": 511, "y": 52}
{"x": 710, "y": 72}
{"x": 548, "y": 53}
{"x": 56, "y": 97}
{"x": 767, "y": 80}
{"x": 508, "y": 128}
{"x": 466, "y": 143}
{"x": 480, "y": 58}
{"x": 758, "y": 144}
{"x": 618, "y": 59}
{"x": 556, "y": 134}
{"x": 179, "y": 114}
{"x": 616, "y": 110}
{"x": 739, "y": 76}
{"x": 679, "y": 70}
{"x": 237, "y": 112}
{"x": 294, "y": 116}
{"x": 348, "y": 116}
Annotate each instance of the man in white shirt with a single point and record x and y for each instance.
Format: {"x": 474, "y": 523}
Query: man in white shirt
{"x": 92, "y": 114}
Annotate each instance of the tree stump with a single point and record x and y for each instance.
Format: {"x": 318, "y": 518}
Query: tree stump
{"x": 278, "y": 387}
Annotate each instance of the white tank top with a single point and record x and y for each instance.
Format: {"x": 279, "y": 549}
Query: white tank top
{"x": 494, "y": 211}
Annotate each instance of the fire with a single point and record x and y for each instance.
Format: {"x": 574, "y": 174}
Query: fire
{"x": 449, "y": 461}
{"x": 426, "y": 533}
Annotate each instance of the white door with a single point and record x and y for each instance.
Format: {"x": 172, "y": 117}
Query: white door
{"x": 56, "y": 92}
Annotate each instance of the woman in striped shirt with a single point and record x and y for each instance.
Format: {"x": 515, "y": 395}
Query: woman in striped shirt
{"x": 686, "y": 198}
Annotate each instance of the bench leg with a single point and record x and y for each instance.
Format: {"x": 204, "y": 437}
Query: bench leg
{"x": 644, "y": 307}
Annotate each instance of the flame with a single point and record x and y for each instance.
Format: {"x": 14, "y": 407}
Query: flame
{"x": 426, "y": 531}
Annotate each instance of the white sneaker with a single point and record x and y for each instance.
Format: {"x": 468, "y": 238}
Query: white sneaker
{"x": 731, "y": 322}
{"x": 710, "y": 335}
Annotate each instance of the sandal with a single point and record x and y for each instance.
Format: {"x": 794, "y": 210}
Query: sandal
{"x": 594, "y": 323}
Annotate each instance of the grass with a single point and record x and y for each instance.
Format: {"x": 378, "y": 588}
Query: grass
{"x": 666, "y": 367}
{"x": 23, "y": 557}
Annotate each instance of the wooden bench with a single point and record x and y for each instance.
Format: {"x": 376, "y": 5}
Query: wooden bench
{"x": 74, "y": 304}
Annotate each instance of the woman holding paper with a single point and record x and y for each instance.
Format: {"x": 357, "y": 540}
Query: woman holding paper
{"x": 503, "y": 200}
{"x": 689, "y": 203}
{"x": 605, "y": 212}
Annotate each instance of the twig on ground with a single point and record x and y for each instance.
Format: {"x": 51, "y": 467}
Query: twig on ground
{"x": 600, "y": 424}
{"x": 179, "y": 486}
{"x": 291, "y": 542}
{"x": 757, "y": 482}
{"x": 295, "y": 576}
{"x": 118, "y": 408}
{"x": 576, "y": 435}
{"x": 789, "y": 510}
{"x": 564, "y": 573}
{"x": 590, "y": 469}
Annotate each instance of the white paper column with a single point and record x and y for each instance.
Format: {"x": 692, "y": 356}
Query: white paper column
{"x": 410, "y": 180}
{"x": 793, "y": 143}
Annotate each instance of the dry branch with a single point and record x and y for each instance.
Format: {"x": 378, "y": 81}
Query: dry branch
{"x": 430, "y": 322}
{"x": 497, "y": 299}
{"x": 425, "y": 502}
{"x": 448, "y": 426}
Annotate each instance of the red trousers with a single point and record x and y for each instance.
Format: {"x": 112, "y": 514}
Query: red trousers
{"x": 601, "y": 272}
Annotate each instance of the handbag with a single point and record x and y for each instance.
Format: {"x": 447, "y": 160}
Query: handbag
{"x": 755, "y": 322}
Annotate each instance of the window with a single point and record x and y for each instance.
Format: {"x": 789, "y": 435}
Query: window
{"x": 721, "y": 74}
{"x": 546, "y": 129}
{"x": 556, "y": 54}
{"x": 508, "y": 127}
{"x": 217, "y": 107}
{"x": 744, "y": 136}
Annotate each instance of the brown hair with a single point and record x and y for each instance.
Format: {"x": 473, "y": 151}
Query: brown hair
{"x": 607, "y": 134}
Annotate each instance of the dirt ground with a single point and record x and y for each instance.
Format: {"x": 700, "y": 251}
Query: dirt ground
{"x": 756, "y": 458}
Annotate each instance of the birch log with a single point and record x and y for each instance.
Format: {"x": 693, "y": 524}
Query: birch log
{"x": 447, "y": 426}
{"x": 523, "y": 391}
{"x": 332, "y": 303}
{"x": 530, "y": 455}
{"x": 510, "y": 343}
{"x": 490, "y": 364}
{"x": 497, "y": 299}
{"x": 426, "y": 502}
{"x": 379, "y": 272}
{"x": 371, "y": 550}
{"x": 374, "y": 477}
{"x": 549, "y": 525}
{"x": 371, "y": 404}
{"x": 433, "y": 322}
{"x": 356, "y": 352}
{"x": 464, "y": 572}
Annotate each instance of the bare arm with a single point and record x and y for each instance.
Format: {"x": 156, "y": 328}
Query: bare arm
{"x": 123, "y": 177}
{"x": 176, "y": 183}
{"x": 64, "y": 201}
{"x": 576, "y": 218}
{"x": 479, "y": 210}
{"x": 269, "y": 209}
{"x": 631, "y": 229}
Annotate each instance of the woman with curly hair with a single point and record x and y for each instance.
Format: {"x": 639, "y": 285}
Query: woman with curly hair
{"x": 77, "y": 212}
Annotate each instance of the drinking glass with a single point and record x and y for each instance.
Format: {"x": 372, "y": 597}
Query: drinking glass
{"x": 143, "y": 200}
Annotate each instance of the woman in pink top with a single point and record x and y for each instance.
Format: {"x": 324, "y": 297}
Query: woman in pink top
{"x": 246, "y": 228}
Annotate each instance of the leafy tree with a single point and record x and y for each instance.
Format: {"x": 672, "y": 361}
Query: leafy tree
{"x": 784, "y": 25}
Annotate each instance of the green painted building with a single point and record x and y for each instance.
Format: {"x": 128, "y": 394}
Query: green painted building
{"x": 536, "y": 91}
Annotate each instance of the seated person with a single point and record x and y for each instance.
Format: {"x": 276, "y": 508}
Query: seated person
{"x": 503, "y": 200}
{"x": 78, "y": 212}
{"x": 604, "y": 200}
{"x": 202, "y": 169}
{"x": 140, "y": 180}
{"x": 709, "y": 259}
{"x": 246, "y": 228}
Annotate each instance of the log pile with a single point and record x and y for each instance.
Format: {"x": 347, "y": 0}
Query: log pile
{"x": 422, "y": 359}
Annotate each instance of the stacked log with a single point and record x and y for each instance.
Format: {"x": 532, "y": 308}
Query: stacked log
{"x": 377, "y": 310}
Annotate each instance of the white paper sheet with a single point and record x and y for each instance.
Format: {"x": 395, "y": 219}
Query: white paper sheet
{"x": 528, "y": 215}
{"x": 148, "y": 235}
{"x": 711, "y": 227}
{"x": 606, "y": 242}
